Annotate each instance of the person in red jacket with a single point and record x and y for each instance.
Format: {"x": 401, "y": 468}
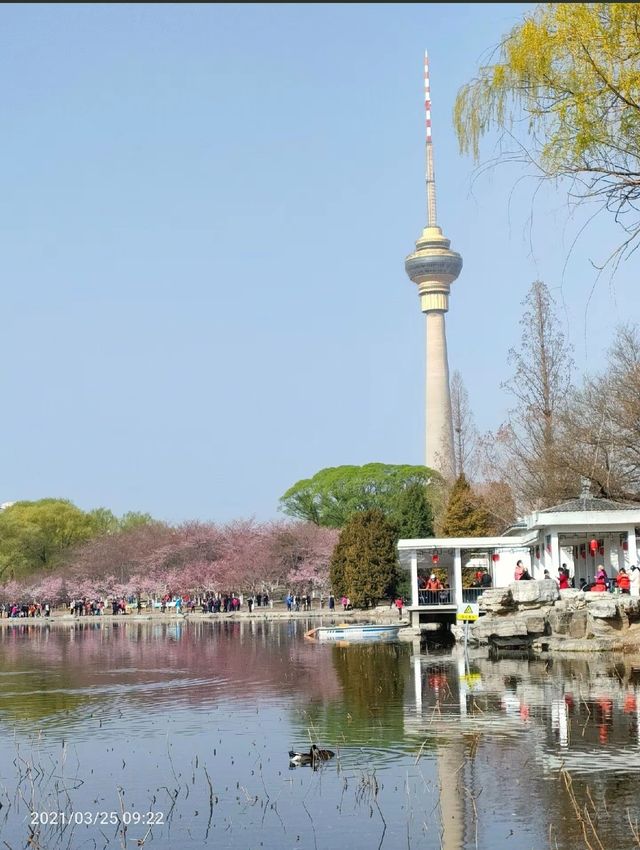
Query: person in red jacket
{"x": 563, "y": 579}
{"x": 623, "y": 581}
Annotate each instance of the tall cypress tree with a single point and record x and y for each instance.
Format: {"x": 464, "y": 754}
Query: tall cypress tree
{"x": 364, "y": 564}
{"x": 466, "y": 514}
{"x": 413, "y": 516}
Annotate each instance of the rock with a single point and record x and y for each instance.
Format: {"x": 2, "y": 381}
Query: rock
{"x": 534, "y": 591}
{"x": 602, "y": 608}
{"x": 572, "y": 598}
{"x": 496, "y": 626}
{"x": 570, "y": 593}
{"x": 535, "y": 623}
{"x": 560, "y": 620}
{"x": 606, "y": 627}
{"x": 630, "y": 605}
{"x": 578, "y": 624}
{"x": 497, "y": 600}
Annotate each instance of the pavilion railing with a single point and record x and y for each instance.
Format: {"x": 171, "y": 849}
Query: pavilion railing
{"x": 447, "y": 596}
{"x": 436, "y": 597}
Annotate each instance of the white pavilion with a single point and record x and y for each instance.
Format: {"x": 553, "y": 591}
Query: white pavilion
{"x": 581, "y": 533}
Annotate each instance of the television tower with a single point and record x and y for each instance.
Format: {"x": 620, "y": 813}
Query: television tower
{"x": 433, "y": 266}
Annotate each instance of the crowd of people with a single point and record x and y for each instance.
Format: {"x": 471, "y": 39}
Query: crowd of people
{"x": 210, "y": 603}
{"x": 623, "y": 582}
{"x": 303, "y": 602}
{"x": 15, "y": 609}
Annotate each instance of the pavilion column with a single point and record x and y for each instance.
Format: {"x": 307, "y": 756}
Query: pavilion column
{"x": 555, "y": 553}
{"x": 620, "y": 550}
{"x": 633, "y": 552}
{"x": 457, "y": 576}
{"x": 414, "y": 578}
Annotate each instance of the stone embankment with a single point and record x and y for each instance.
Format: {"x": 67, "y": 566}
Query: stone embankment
{"x": 536, "y": 614}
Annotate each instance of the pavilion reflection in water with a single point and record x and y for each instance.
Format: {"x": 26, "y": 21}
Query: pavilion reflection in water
{"x": 540, "y": 720}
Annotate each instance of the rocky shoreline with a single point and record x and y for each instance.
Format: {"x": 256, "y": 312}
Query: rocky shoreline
{"x": 538, "y": 616}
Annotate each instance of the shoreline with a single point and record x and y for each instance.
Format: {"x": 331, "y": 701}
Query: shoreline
{"x": 378, "y": 615}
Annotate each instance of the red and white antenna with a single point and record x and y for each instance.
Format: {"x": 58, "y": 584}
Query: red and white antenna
{"x": 430, "y": 174}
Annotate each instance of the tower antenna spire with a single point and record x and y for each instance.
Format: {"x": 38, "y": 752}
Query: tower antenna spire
{"x": 430, "y": 173}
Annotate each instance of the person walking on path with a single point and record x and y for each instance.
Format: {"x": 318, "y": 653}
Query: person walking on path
{"x": 399, "y": 606}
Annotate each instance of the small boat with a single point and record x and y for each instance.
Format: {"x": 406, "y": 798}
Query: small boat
{"x": 356, "y": 631}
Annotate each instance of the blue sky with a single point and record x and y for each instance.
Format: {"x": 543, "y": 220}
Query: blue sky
{"x": 204, "y": 215}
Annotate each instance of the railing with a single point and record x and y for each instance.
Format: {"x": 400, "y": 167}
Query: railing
{"x": 447, "y": 596}
{"x": 436, "y": 597}
{"x": 470, "y": 594}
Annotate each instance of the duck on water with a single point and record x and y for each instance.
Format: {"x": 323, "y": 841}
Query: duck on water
{"x": 314, "y": 756}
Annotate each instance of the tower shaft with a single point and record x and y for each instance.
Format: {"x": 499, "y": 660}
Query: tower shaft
{"x": 439, "y": 452}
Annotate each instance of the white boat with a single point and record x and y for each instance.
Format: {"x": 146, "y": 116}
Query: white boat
{"x": 356, "y": 631}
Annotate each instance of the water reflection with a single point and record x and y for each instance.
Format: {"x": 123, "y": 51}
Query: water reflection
{"x": 563, "y": 733}
{"x": 368, "y": 708}
{"x": 456, "y": 753}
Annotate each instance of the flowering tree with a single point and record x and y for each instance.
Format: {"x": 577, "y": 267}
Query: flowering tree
{"x": 154, "y": 559}
{"x": 312, "y": 546}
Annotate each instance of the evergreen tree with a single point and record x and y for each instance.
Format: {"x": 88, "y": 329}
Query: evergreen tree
{"x": 413, "y": 517}
{"x": 466, "y": 514}
{"x": 364, "y": 564}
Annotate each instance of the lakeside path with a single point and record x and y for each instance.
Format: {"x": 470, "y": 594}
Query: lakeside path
{"x": 381, "y": 614}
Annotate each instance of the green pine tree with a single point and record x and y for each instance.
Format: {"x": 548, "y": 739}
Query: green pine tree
{"x": 413, "y": 516}
{"x": 364, "y": 564}
{"x": 465, "y": 514}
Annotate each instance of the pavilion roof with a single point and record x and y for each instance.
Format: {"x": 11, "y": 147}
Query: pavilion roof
{"x": 590, "y": 503}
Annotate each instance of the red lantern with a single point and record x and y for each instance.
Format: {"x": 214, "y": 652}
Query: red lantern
{"x": 495, "y": 557}
{"x": 601, "y": 550}
{"x": 537, "y": 553}
{"x": 625, "y": 546}
{"x": 593, "y": 546}
{"x": 435, "y": 558}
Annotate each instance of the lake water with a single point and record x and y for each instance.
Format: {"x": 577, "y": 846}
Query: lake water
{"x": 186, "y": 728}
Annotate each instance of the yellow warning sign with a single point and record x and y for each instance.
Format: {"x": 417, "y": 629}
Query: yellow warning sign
{"x": 467, "y": 612}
